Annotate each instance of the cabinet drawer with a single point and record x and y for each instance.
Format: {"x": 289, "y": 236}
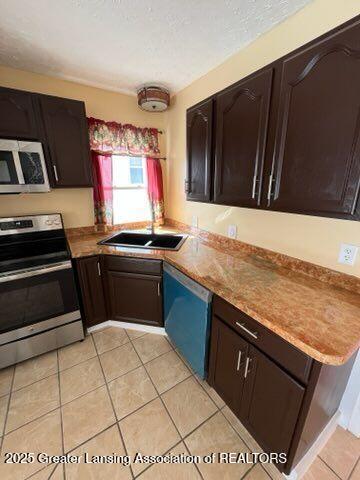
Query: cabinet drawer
{"x": 288, "y": 356}
{"x": 133, "y": 265}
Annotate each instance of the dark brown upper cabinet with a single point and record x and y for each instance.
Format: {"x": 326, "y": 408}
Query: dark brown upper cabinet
{"x": 316, "y": 161}
{"x": 90, "y": 280}
{"x": 287, "y": 138}
{"x": 18, "y": 115}
{"x": 199, "y": 152}
{"x": 67, "y": 137}
{"x": 242, "y": 114}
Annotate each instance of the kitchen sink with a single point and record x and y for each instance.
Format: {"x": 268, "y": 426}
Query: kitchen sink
{"x": 158, "y": 241}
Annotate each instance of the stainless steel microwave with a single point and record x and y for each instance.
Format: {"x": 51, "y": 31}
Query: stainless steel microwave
{"x": 22, "y": 167}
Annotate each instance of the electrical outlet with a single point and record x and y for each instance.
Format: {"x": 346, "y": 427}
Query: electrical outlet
{"x": 347, "y": 254}
{"x": 232, "y": 231}
{"x": 195, "y": 221}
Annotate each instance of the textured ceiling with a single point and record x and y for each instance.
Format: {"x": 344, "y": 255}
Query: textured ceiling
{"x": 124, "y": 44}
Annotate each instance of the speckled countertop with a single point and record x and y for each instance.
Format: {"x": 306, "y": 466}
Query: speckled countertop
{"x": 321, "y": 320}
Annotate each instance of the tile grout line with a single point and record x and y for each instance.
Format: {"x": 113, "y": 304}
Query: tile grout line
{"x": 219, "y": 410}
{"x": 61, "y": 415}
{"x": 112, "y": 404}
{"x": 243, "y": 477}
{"x": 244, "y": 441}
{"x": 331, "y": 469}
{"x": 47, "y": 376}
{"x": 193, "y": 374}
{"x": 33, "y": 383}
{"x": 70, "y": 401}
{"x": 163, "y": 403}
{"x": 41, "y": 470}
{"x": 90, "y": 438}
{"x": 10, "y": 395}
{"x": 53, "y": 410}
{"x": 32, "y": 420}
{"x": 159, "y": 395}
{"x": 143, "y": 364}
{"x": 7, "y": 410}
{"x": 352, "y": 471}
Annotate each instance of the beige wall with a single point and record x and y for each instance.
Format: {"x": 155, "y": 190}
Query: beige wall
{"x": 75, "y": 204}
{"x": 310, "y": 238}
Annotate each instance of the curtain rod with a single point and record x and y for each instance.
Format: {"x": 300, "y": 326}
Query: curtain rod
{"x": 140, "y": 156}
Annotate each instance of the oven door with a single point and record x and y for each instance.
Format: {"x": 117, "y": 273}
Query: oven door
{"x": 11, "y": 176}
{"x": 41, "y": 298}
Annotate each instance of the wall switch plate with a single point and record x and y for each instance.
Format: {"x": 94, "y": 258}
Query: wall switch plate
{"x": 347, "y": 254}
{"x": 195, "y": 221}
{"x": 232, "y": 231}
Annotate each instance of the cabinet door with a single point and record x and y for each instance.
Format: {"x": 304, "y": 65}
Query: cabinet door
{"x": 228, "y": 352}
{"x": 89, "y": 270}
{"x": 17, "y": 115}
{"x": 241, "y": 131}
{"x": 135, "y": 298}
{"x": 271, "y": 402}
{"x": 316, "y": 163}
{"x": 68, "y": 141}
{"x": 199, "y": 152}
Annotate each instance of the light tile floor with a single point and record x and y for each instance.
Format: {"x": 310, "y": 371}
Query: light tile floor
{"x": 126, "y": 392}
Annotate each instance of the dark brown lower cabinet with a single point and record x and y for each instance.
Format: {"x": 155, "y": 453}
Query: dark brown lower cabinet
{"x": 228, "y": 354}
{"x": 283, "y": 397}
{"x": 133, "y": 289}
{"x": 271, "y": 402}
{"x": 89, "y": 273}
{"x": 134, "y": 297}
{"x": 121, "y": 288}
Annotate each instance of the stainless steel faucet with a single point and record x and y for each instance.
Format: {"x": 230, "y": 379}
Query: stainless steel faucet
{"x": 152, "y": 224}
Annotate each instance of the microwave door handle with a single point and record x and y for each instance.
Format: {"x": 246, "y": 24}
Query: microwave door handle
{"x": 18, "y": 168}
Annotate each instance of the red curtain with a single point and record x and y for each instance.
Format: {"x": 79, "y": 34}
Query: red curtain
{"x": 155, "y": 188}
{"x": 103, "y": 196}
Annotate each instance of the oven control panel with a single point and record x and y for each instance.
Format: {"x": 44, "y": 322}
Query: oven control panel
{"x": 31, "y": 223}
{"x": 16, "y": 225}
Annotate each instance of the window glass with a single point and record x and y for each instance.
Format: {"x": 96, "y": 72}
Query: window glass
{"x": 136, "y": 171}
{"x": 130, "y": 199}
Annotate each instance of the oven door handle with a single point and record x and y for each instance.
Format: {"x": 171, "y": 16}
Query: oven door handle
{"x": 35, "y": 272}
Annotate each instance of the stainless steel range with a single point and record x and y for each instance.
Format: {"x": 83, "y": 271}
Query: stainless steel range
{"x": 39, "y": 307}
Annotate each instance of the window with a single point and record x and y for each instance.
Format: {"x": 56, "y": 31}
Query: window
{"x": 136, "y": 171}
{"x": 131, "y": 203}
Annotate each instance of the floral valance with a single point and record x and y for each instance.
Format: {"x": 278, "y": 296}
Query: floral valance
{"x": 122, "y": 139}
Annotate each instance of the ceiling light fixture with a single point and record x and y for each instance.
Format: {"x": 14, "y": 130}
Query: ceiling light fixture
{"x": 153, "y": 98}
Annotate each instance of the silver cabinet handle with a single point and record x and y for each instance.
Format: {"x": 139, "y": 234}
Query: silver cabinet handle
{"x": 255, "y": 182}
{"x": 270, "y": 189}
{"x": 248, "y": 360}
{"x": 99, "y": 269}
{"x": 158, "y": 288}
{"x": 55, "y": 173}
{"x": 242, "y": 326}
{"x": 238, "y": 361}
